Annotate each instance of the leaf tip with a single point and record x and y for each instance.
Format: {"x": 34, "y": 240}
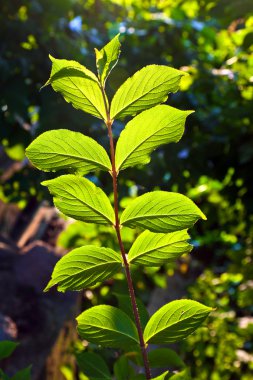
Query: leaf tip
{"x": 49, "y": 285}
{"x": 52, "y": 59}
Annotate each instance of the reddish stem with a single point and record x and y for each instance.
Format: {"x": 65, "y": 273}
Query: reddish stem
{"x": 122, "y": 249}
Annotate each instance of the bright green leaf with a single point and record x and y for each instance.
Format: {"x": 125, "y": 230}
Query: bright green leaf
{"x": 83, "y": 267}
{"x": 145, "y": 89}
{"x": 154, "y": 127}
{"x": 164, "y": 357}
{"x": 78, "y": 85}
{"x": 175, "y": 321}
{"x": 64, "y": 149}
{"x": 161, "y": 211}
{"x": 154, "y": 249}
{"x": 93, "y": 365}
{"x": 125, "y": 304}
{"x": 6, "y": 348}
{"x": 80, "y": 199}
{"x": 108, "y": 326}
{"x": 107, "y": 58}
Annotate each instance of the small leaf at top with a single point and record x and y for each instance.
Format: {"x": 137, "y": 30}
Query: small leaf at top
{"x": 146, "y": 88}
{"x": 107, "y": 58}
{"x": 146, "y": 132}
{"x": 83, "y": 267}
{"x": 93, "y": 366}
{"x": 64, "y": 149}
{"x": 80, "y": 199}
{"x": 175, "y": 321}
{"x": 108, "y": 326}
{"x": 78, "y": 85}
{"x": 161, "y": 211}
{"x": 6, "y": 348}
{"x": 155, "y": 249}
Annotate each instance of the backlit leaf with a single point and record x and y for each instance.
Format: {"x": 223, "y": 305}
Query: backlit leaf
{"x": 78, "y": 85}
{"x": 107, "y": 58}
{"x": 154, "y": 127}
{"x": 161, "y": 211}
{"x": 155, "y": 249}
{"x": 175, "y": 321}
{"x": 108, "y": 326}
{"x": 83, "y": 267}
{"x": 80, "y": 199}
{"x": 64, "y": 149}
{"x": 145, "y": 89}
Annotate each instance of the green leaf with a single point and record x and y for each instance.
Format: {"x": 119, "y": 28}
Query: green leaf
{"x": 163, "y": 376}
{"x": 175, "y": 321}
{"x": 6, "y": 348}
{"x": 83, "y": 267}
{"x": 164, "y": 357}
{"x": 124, "y": 304}
{"x": 78, "y": 85}
{"x": 107, "y": 58}
{"x": 80, "y": 199}
{"x": 161, "y": 211}
{"x": 154, "y": 249}
{"x": 64, "y": 149}
{"x": 93, "y": 366}
{"x": 108, "y": 326}
{"x": 157, "y": 126}
{"x": 23, "y": 374}
{"x": 122, "y": 369}
{"x": 145, "y": 89}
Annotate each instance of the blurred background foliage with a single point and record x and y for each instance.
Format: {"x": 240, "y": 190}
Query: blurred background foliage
{"x": 211, "y": 40}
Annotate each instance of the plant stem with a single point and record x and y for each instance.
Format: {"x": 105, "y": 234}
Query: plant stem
{"x": 123, "y": 253}
{"x": 117, "y": 227}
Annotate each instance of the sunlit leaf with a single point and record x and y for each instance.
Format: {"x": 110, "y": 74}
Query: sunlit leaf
{"x": 83, "y": 267}
{"x": 143, "y": 134}
{"x": 155, "y": 249}
{"x": 107, "y": 58}
{"x": 145, "y": 89}
{"x": 161, "y": 211}
{"x": 108, "y": 326}
{"x": 80, "y": 199}
{"x": 64, "y": 149}
{"x": 78, "y": 85}
{"x": 175, "y": 321}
